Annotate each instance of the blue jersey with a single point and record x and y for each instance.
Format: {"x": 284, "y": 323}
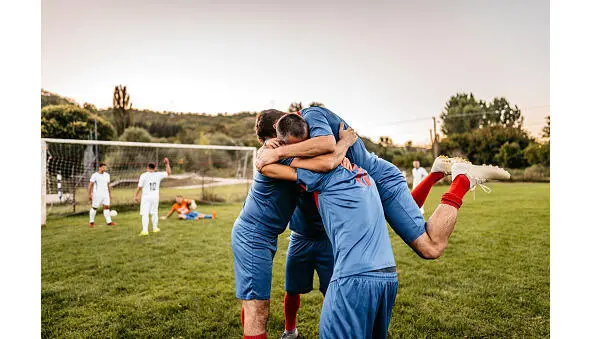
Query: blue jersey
{"x": 322, "y": 121}
{"x": 269, "y": 205}
{"x": 351, "y": 210}
{"x": 306, "y": 220}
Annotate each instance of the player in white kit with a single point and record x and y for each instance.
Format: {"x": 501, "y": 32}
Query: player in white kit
{"x": 418, "y": 174}
{"x": 99, "y": 192}
{"x": 149, "y": 185}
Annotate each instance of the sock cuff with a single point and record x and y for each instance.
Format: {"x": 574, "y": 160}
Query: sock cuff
{"x": 258, "y": 336}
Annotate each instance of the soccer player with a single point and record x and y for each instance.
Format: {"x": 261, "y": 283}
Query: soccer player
{"x": 418, "y": 174}
{"x": 183, "y": 208}
{"x": 364, "y": 282}
{"x": 401, "y": 208}
{"x": 266, "y": 211}
{"x": 149, "y": 185}
{"x": 309, "y": 250}
{"x": 99, "y": 193}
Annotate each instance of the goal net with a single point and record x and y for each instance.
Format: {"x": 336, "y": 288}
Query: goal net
{"x": 209, "y": 174}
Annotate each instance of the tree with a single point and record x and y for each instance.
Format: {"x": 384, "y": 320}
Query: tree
{"x": 546, "y": 129}
{"x": 72, "y": 122}
{"x": 481, "y": 145}
{"x": 462, "y": 113}
{"x": 90, "y": 107}
{"x": 135, "y": 134}
{"x": 122, "y": 109}
{"x": 316, "y": 104}
{"x": 295, "y": 107}
{"x": 500, "y": 113}
{"x": 48, "y": 98}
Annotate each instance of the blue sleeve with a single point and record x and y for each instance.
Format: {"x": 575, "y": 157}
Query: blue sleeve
{"x": 286, "y": 161}
{"x": 312, "y": 181}
{"x": 318, "y": 124}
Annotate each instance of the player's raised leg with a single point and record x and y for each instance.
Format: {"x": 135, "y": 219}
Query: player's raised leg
{"x": 465, "y": 176}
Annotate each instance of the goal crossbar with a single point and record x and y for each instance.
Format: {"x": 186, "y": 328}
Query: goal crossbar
{"x": 148, "y": 144}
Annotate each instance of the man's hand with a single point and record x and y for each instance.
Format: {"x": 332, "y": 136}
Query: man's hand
{"x": 273, "y": 143}
{"x": 89, "y": 196}
{"x": 266, "y": 156}
{"x": 347, "y": 164}
{"x": 165, "y": 161}
{"x": 349, "y": 134}
{"x": 136, "y": 199}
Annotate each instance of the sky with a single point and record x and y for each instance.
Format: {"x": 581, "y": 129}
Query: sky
{"x": 386, "y": 67}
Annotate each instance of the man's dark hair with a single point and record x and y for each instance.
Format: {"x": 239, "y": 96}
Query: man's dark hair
{"x": 152, "y": 165}
{"x": 265, "y": 124}
{"x": 102, "y": 164}
{"x": 292, "y": 124}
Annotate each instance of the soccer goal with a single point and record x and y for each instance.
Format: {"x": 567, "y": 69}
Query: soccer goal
{"x": 206, "y": 173}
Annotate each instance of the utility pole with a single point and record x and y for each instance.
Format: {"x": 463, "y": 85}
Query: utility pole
{"x": 96, "y": 155}
{"x": 435, "y": 139}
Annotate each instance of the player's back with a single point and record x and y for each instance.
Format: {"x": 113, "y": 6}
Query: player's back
{"x": 269, "y": 205}
{"x": 150, "y": 183}
{"x": 351, "y": 210}
{"x": 357, "y": 153}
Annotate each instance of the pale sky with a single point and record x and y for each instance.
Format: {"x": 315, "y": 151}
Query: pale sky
{"x": 378, "y": 64}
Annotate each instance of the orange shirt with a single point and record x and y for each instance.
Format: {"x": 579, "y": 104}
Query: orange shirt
{"x": 182, "y": 208}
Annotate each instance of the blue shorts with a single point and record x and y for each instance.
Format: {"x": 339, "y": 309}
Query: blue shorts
{"x": 253, "y": 262}
{"x": 192, "y": 215}
{"x": 359, "y": 306}
{"x": 402, "y": 212}
{"x": 303, "y": 257}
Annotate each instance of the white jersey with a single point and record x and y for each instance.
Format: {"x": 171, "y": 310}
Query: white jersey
{"x": 150, "y": 184}
{"x": 101, "y": 182}
{"x": 418, "y": 174}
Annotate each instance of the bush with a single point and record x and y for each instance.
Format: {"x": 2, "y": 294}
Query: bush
{"x": 511, "y": 156}
{"x": 136, "y": 134}
{"x": 537, "y": 173}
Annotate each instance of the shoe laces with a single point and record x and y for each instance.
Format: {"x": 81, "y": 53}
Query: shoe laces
{"x": 480, "y": 182}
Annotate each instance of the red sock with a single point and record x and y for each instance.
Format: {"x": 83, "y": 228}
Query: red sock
{"x": 258, "y": 336}
{"x": 457, "y": 190}
{"x": 291, "y": 304}
{"x": 242, "y": 316}
{"x": 422, "y": 190}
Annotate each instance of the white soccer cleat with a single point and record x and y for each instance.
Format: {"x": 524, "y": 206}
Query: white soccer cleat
{"x": 290, "y": 334}
{"x": 478, "y": 175}
{"x": 442, "y": 164}
{"x": 156, "y": 230}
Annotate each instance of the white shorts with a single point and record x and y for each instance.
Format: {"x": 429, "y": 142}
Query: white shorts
{"x": 98, "y": 200}
{"x": 149, "y": 206}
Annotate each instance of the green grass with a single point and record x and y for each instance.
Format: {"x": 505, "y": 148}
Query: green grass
{"x": 492, "y": 281}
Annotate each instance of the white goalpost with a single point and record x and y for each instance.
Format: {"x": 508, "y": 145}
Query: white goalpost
{"x": 207, "y": 173}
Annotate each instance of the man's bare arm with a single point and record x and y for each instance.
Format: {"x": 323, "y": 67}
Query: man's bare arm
{"x": 90, "y": 186}
{"x": 308, "y": 148}
{"x": 328, "y": 162}
{"x": 136, "y": 196}
{"x": 167, "y": 165}
{"x": 109, "y": 187}
{"x": 281, "y": 172}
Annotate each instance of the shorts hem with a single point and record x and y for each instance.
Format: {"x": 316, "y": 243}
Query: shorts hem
{"x": 244, "y": 297}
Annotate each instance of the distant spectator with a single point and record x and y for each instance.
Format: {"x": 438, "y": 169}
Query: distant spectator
{"x": 418, "y": 174}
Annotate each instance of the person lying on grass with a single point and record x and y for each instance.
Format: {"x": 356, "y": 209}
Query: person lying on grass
{"x": 184, "y": 208}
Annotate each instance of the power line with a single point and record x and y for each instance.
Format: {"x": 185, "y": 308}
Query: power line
{"x": 456, "y": 116}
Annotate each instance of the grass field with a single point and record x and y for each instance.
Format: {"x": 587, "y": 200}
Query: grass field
{"x": 493, "y": 280}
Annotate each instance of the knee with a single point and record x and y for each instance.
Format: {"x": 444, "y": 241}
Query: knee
{"x": 106, "y": 207}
